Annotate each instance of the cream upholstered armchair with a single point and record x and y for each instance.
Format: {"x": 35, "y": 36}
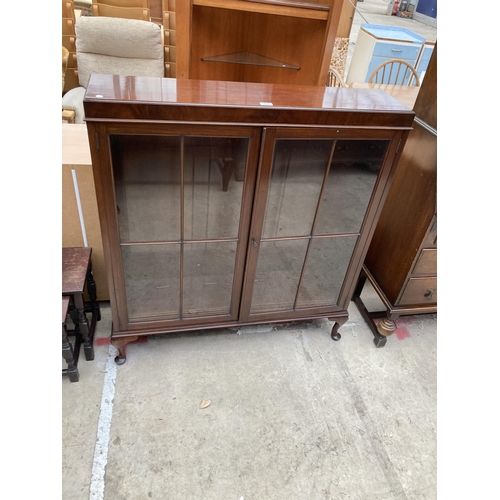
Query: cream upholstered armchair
{"x": 113, "y": 46}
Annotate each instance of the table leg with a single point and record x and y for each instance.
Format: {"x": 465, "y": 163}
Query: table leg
{"x": 84, "y": 328}
{"x": 92, "y": 291}
{"x": 68, "y": 355}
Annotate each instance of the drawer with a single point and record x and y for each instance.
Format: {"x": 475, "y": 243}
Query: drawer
{"x": 419, "y": 291}
{"x": 427, "y": 262}
{"x": 430, "y": 239}
{"x": 408, "y": 52}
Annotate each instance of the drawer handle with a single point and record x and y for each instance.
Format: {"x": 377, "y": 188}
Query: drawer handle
{"x": 396, "y": 50}
{"x": 429, "y": 293}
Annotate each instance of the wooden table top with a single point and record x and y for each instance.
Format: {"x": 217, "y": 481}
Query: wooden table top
{"x": 75, "y": 263}
{"x": 404, "y": 94}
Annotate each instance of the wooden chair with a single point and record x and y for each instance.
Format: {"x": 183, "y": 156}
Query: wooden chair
{"x": 395, "y": 72}
{"x": 103, "y": 10}
{"x": 334, "y": 79}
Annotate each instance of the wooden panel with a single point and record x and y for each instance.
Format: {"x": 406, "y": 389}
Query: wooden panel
{"x": 426, "y": 103}
{"x": 346, "y": 18}
{"x": 427, "y": 262}
{"x": 285, "y": 39}
{"x": 407, "y": 214}
{"x": 419, "y": 291}
{"x": 76, "y": 156}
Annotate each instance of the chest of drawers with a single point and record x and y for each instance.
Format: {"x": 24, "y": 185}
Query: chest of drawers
{"x": 376, "y": 44}
{"x": 401, "y": 263}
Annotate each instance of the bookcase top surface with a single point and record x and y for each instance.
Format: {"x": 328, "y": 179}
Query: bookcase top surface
{"x": 118, "y": 97}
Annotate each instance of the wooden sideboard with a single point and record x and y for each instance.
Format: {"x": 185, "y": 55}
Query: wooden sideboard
{"x": 401, "y": 263}
{"x": 226, "y": 203}
{"x": 76, "y": 157}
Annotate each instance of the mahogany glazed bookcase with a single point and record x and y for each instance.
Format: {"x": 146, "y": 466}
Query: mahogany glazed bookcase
{"x": 225, "y": 204}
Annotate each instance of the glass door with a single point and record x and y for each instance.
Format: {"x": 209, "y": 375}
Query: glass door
{"x": 316, "y": 192}
{"x": 183, "y": 205}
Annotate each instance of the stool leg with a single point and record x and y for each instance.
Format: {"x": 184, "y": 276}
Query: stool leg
{"x": 83, "y": 324}
{"x": 67, "y": 352}
{"x": 92, "y": 291}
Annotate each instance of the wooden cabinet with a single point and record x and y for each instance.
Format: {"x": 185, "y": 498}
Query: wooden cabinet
{"x": 264, "y": 41}
{"x": 401, "y": 263}
{"x": 377, "y": 44}
{"x": 228, "y": 203}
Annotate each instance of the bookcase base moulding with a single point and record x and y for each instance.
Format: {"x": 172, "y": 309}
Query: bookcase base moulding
{"x": 224, "y": 204}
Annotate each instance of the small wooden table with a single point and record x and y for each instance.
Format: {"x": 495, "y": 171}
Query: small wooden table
{"x": 76, "y": 277}
{"x": 404, "y": 94}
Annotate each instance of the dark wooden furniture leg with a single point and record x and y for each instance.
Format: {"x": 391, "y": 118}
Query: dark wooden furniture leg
{"x": 84, "y": 328}
{"x": 68, "y": 354}
{"x": 385, "y": 325}
{"x": 338, "y": 323}
{"x": 92, "y": 291}
{"x": 120, "y": 346}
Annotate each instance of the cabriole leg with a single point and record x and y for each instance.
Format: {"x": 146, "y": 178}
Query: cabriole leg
{"x": 120, "y": 345}
{"x": 338, "y": 323}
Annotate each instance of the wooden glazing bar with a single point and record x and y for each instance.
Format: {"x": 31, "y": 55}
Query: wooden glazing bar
{"x": 325, "y": 179}
{"x": 181, "y": 273}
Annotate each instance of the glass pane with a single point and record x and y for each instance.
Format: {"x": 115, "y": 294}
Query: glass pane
{"x": 152, "y": 281}
{"x": 349, "y": 186}
{"x": 298, "y": 171}
{"x": 214, "y": 171}
{"x": 147, "y": 184}
{"x": 208, "y": 278}
{"x": 278, "y": 274}
{"x": 325, "y": 270}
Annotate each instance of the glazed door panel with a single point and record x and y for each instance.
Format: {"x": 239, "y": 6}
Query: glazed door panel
{"x": 183, "y": 205}
{"x": 316, "y": 192}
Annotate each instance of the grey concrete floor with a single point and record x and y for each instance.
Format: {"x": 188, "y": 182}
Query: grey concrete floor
{"x": 293, "y": 415}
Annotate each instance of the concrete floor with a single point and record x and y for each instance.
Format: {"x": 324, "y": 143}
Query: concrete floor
{"x": 293, "y": 415}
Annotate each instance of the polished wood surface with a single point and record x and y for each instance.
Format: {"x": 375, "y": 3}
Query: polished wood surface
{"x": 404, "y": 94}
{"x": 214, "y": 101}
{"x": 300, "y": 33}
{"x": 75, "y": 263}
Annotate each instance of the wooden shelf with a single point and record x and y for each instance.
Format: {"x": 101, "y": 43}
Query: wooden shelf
{"x": 251, "y": 59}
{"x": 305, "y": 10}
